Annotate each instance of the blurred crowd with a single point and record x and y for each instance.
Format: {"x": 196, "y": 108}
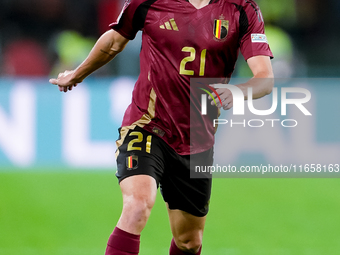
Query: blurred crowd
{"x": 44, "y": 37}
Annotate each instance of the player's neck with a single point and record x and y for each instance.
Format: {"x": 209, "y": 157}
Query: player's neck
{"x": 199, "y": 3}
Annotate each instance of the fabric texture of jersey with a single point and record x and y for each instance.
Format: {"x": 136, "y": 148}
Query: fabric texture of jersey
{"x": 180, "y": 42}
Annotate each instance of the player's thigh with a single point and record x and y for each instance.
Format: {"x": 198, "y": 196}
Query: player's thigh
{"x": 182, "y": 192}
{"x": 139, "y": 189}
{"x": 139, "y": 195}
{"x": 139, "y": 168}
{"x": 186, "y": 228}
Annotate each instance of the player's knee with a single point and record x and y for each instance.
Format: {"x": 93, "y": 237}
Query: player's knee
{"x": 189, "y": 244}
{"x": 138, "y": 208}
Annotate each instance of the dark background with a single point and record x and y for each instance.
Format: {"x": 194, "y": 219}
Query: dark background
{"x": 34, "y": 28}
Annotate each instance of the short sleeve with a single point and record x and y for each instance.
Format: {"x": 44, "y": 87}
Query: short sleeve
{"x": 253, "y": 41}
{"x": 129, "y": 21}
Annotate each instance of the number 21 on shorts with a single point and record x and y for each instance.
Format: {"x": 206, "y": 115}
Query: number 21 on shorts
{"x": 139, "y": 139}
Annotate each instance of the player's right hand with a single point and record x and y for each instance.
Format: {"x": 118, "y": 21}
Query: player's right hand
{"x": 226, "y": 98}
{"x": 65, "y": 81}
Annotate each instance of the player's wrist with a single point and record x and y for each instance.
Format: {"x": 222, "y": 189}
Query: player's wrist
{"x": 244, "y": 89}
{"x": 78, "y": 76}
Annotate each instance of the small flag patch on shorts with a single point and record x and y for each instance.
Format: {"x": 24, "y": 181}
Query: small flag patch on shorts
{"x": 132, "y": 162}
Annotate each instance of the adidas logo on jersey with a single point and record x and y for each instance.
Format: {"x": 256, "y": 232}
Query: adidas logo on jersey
{"x": 170, "y": 25}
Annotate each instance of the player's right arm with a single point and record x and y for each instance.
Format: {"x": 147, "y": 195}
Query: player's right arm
{"x": 105, "y": 49}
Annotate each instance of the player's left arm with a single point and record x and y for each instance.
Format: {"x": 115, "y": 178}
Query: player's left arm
{"x": 262, "y": 82}
{"x": 255, "y": 49}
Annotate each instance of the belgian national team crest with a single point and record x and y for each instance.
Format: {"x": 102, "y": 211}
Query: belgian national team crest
{"x": 221, "y": 28}
{"x": 132, "y": 162}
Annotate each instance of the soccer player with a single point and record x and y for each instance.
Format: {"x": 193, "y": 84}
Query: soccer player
{"x": 182, "y": 39}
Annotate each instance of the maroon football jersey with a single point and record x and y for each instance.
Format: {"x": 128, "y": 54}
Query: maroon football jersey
{"x": 180, "y": 42}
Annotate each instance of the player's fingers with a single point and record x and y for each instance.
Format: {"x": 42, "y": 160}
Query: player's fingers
{"x": 228, "y": 106}
{"x": 225, "y": 101}
{"x": 67, "y": 72}
{"x": 220, "y": 91}
{"x": 226, "y": 97}
{"x": 54, "y": 81}
{"x": 213, "y": 94}
{"x": 220, "y": 100}
{"x": 217, "y": 102}
{"x": 223, "y": 92}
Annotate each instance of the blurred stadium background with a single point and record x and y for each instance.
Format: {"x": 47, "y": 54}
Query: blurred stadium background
{"x": 58, "y": 192}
